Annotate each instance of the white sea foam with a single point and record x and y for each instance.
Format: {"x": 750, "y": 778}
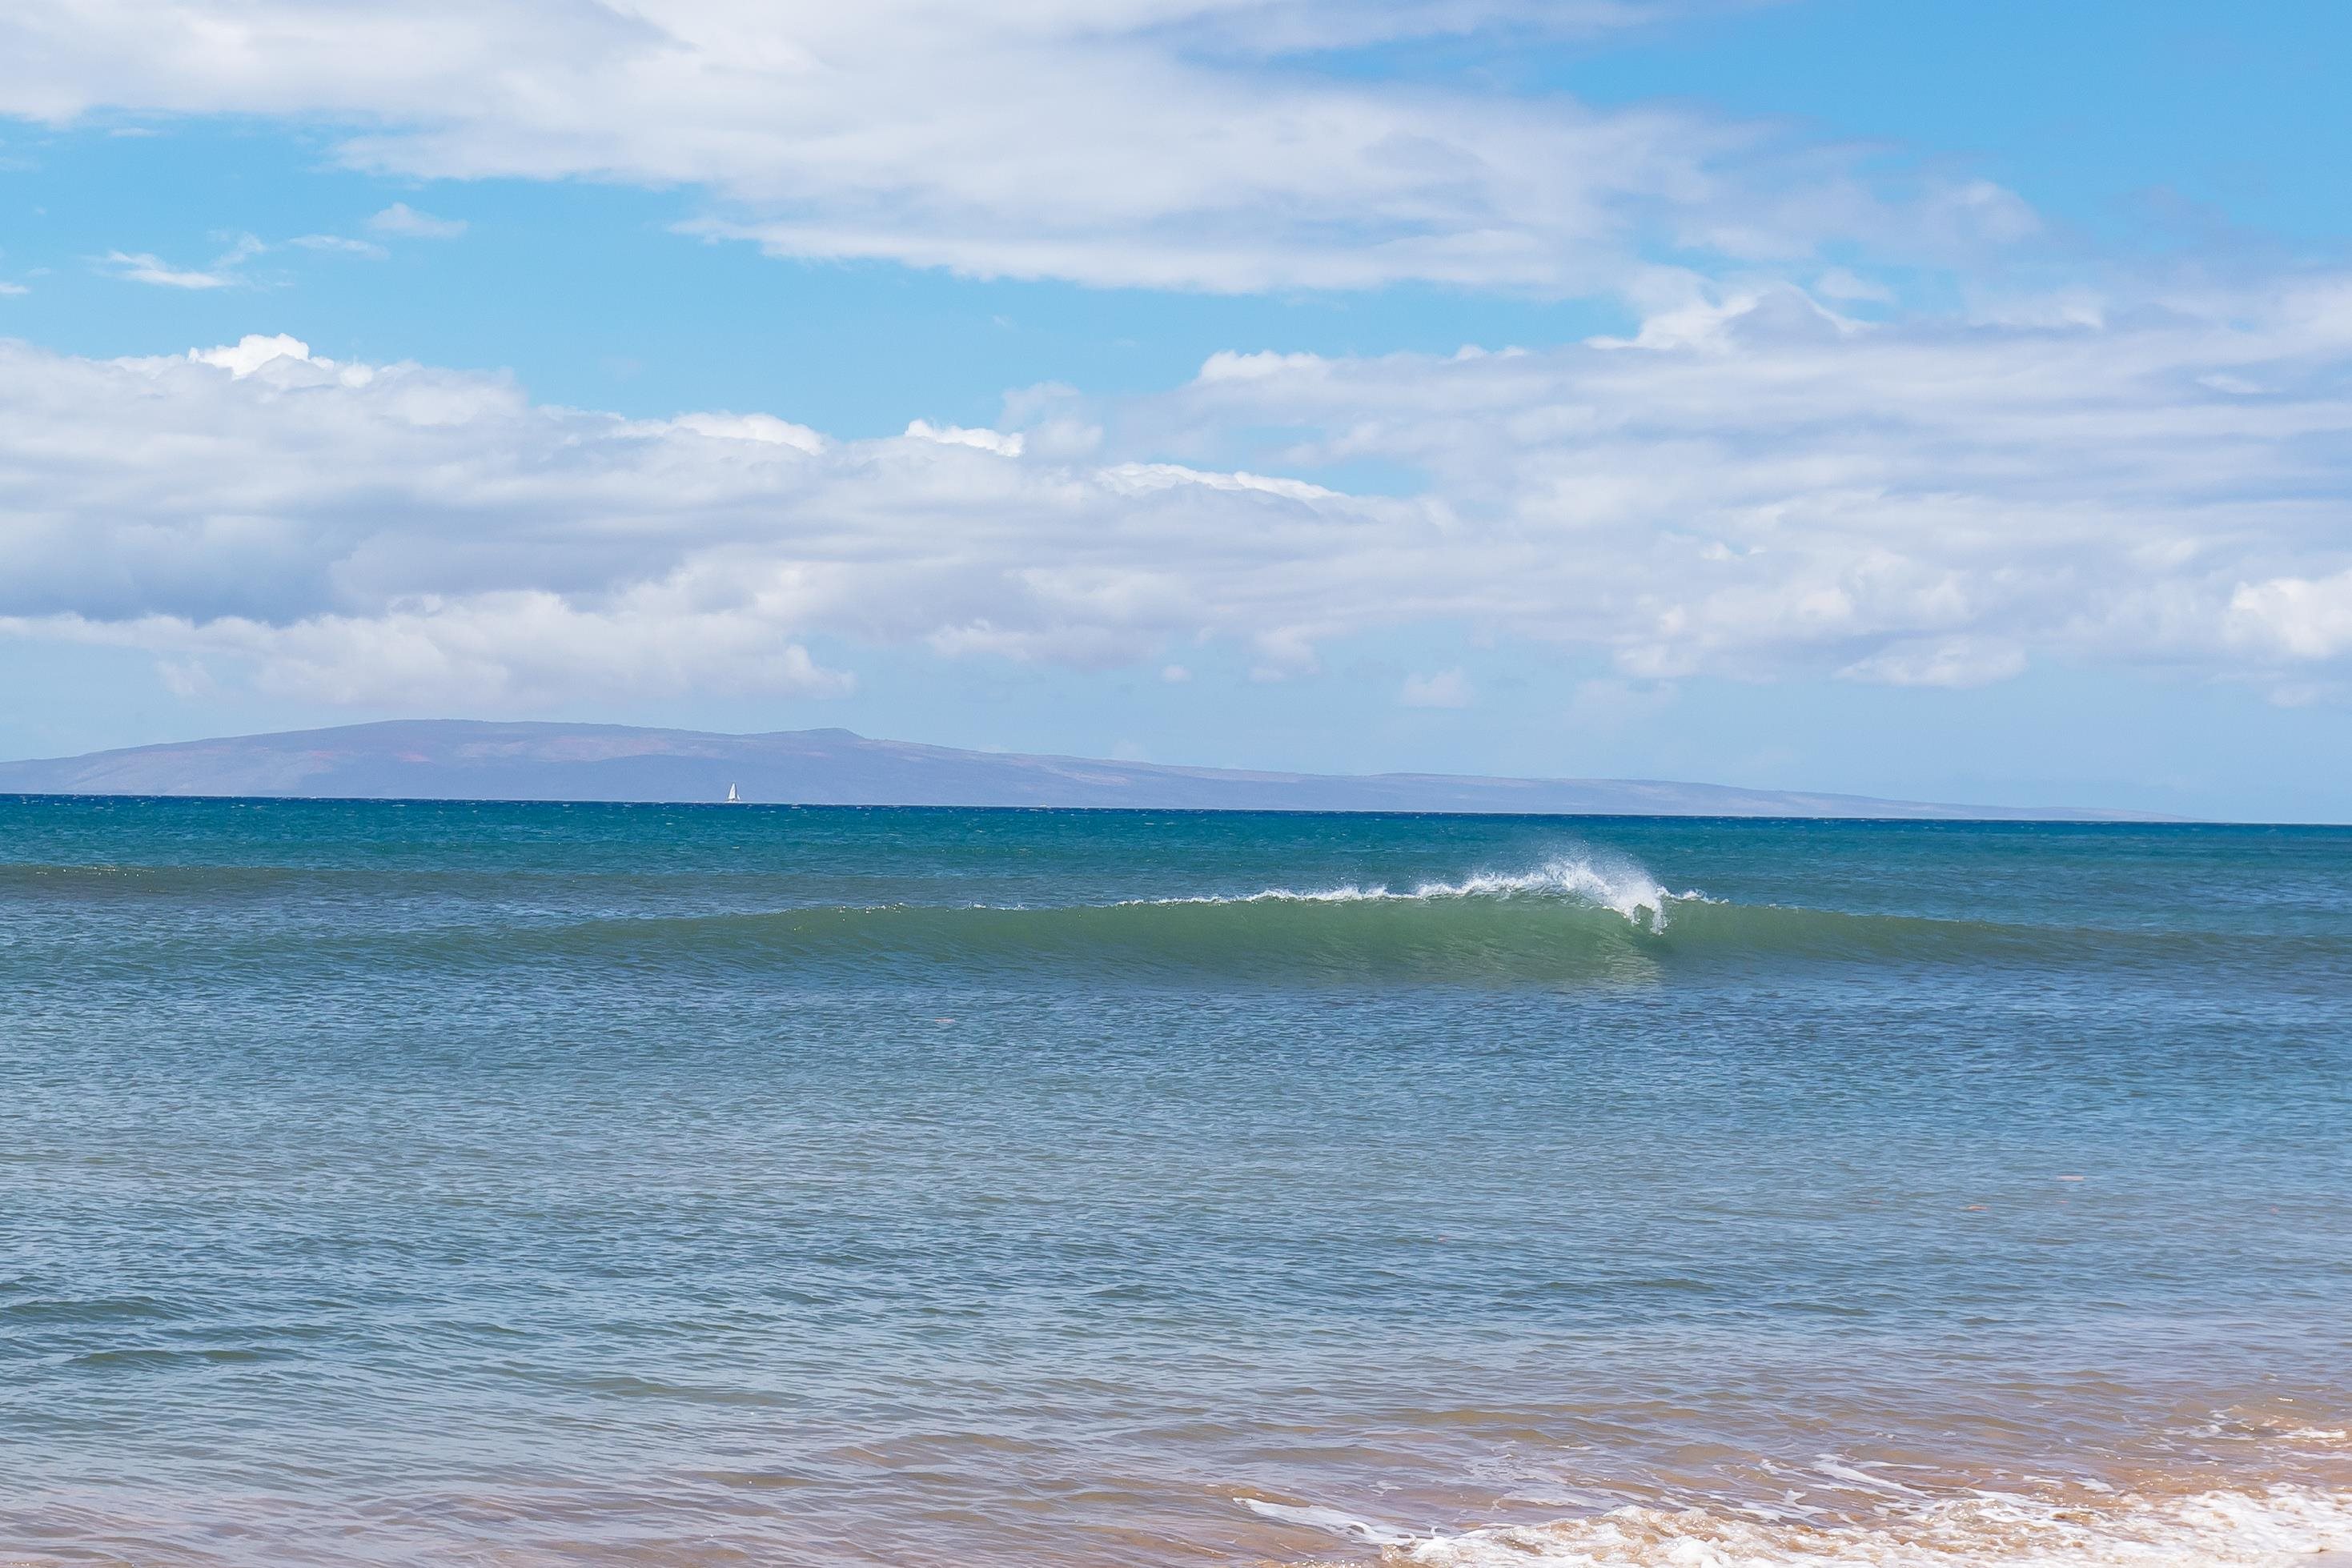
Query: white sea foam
{"x": 1619, "y": 885}
{"x": 2283, "y": 1527}
{"x": 1325, "y": 1519}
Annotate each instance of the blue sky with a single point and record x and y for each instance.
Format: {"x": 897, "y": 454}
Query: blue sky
{"x": 1933, "y": 401}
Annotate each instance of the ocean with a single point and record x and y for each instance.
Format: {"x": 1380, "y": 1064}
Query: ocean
{"x": 512, "y": 1184}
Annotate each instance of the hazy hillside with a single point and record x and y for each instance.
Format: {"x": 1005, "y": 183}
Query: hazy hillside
{"x": 456, "y": 759}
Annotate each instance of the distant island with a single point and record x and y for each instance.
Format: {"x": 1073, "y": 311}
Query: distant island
{"x": 456, "y": 759}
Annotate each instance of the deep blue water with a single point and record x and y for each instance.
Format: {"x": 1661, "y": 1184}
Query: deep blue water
{"x": 537, "y": 1184}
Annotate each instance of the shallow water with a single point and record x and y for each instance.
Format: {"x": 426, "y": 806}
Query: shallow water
{"x": 518, "y": 1184}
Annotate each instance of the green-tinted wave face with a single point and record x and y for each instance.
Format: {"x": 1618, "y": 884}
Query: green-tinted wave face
{"x": 1322, "y": 940}
{"x": 1270, "y": 942}
{"x": 1567, "y": 917}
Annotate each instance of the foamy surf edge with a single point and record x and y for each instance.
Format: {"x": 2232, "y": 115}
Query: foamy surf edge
{"x": 1623, "y": 887}
{"x": 2277, "y": 1526}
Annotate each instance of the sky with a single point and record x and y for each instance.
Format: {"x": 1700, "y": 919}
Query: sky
{"x": 1941, "y": 401}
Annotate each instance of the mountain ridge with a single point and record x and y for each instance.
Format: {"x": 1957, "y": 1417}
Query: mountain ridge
{"x": 468, "y": 759}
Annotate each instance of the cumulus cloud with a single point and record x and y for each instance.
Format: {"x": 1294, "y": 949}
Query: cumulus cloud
{"x": 367, "y": 533}
{"x": 1174, "y": 143}
{"x": 512, "y": 648}
{"x": 761, "y": 427}
{"x": 1766, "y": 490}
{"x": 2295, "y": 616}
{"x": 252, "y": 351}
{"x": 1003, "y": 445}
{"x": 1760, "y": 485}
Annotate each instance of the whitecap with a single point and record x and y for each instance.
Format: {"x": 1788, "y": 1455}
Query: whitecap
{"x": 2283, "y": 1527}
{"x": 1621, "y": 886}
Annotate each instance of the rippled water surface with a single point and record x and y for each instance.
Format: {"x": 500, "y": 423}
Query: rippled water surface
{"x": 631, "y": 1185}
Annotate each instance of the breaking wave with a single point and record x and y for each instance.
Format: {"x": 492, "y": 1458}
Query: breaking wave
{"x": 1623, "y": 887}
{"x": 1569, "y": 920}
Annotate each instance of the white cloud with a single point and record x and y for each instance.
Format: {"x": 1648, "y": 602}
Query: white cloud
{"x": 8, "y": 288}
{"x": 1941, "y": 662}
{"x": 1842, "y": 283}
{"x": 765, "y": 428}
{"x": 1776, "y": 497}
{"x": 357, "y": 532}
{"x": 1759, "y": 487}
{"x": 338, "y": 244}
{"x": 2295, "y": 616}
{"x": 1174, "y": 143}
{"x": 252, "y": 351}
{"x": 1447, "y": 688}
{"x": 406, "y": 221}
{"x": 145, "y": 268}
{"x": 995, "y": 441}
{"x": 1227, "y": 366}
{"x": 1141, "y": 478}
{"x": 511, "y": 649}
{"x": 186, "y": 678}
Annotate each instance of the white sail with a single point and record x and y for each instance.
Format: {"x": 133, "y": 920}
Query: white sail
{"x": 733, "y": 799}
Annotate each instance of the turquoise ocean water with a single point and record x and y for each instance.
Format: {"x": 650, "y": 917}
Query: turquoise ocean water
{"x": 527, "y": 1185}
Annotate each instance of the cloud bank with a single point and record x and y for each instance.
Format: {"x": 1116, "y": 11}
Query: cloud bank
{"x": 1759, "y": 491}
{"x": 1201, "y": 144}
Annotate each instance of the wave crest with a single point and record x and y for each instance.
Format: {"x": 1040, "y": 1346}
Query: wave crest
{"x": 1621, "y": 886}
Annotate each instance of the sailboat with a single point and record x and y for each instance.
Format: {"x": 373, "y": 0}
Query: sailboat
{"x": 734, "y": 797}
